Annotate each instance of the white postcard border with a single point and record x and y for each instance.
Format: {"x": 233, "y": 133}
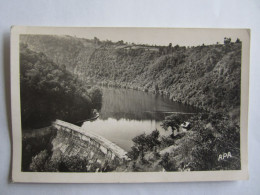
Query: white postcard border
{"x": 122, "y": 177}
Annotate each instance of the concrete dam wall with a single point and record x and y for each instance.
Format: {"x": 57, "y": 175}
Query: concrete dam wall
{"x": 72, "y": 140}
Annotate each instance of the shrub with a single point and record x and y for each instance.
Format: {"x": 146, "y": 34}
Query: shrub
{"x": 143, "y": 143}
{"x": 167, "y": 163}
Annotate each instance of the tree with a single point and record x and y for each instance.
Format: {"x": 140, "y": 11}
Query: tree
{"x": 152, "y": 139}
{"x": 143, "y": 143}
{"x": 120, "y": 42}
{"x": 227, "y": 41}
{"x": 96, "y": 41}
{"x": 176, "y": 47}
{"x": 96, "y": 97}
{"x": 173, "y": 121}
{"x": 170, "y": 48}
{"x": 49, "y": 91}
{"x": 156, "y": 88}
{"x": 167, "y": 163}
{"x": 238, "y": 40}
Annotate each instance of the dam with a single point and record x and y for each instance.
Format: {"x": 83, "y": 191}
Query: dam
{"x": 72, "y": 140}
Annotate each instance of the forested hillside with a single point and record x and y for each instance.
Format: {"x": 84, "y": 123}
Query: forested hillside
{"x": 58, "y": 75}
{"x": 49, "y": 92}
{"x": 207, "y": 77}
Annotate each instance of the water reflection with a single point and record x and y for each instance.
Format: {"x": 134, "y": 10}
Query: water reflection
{"x": 128, "y": 113}
{"x": 123, "y": 131}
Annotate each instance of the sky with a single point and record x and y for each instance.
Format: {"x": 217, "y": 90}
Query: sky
{"x": 164, "y": 36}
{"x": 151, "y": 36}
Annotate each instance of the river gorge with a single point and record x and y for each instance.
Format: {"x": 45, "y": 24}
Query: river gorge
{"x": 127, "y": 113}
{"x": 136, "y": 89}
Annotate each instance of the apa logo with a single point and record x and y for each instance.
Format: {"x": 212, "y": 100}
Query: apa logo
{"x": 224, "y": 156}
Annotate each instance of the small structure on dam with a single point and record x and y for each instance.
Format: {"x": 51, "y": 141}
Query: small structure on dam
{"x": 72, "y": 140}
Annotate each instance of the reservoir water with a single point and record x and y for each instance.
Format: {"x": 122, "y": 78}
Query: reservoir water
{"x": 127, "y": 113}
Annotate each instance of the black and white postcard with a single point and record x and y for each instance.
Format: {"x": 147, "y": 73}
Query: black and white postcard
{"x": 127, "y": 105}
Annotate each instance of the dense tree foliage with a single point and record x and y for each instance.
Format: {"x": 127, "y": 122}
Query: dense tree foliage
{"x": 199, "y": 149}
{"x": 35, "y": 142}
{"x": 167, "y": 163}
{"x": 143, "y": 143}
{"x": 174, "y": 121}
{"x": 49, "y": 92}
{"x": 206, "y": 76}
{"x": 214, "y": 135}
